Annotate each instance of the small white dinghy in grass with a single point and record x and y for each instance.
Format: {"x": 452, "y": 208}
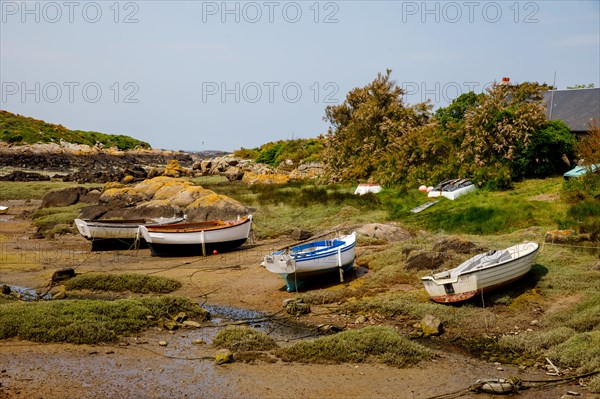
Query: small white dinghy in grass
{"x": 302, "y": 262}
{"x": 483, "y": 272}
{"x": 452, "y": 188}
{"x": 3, "y": 210}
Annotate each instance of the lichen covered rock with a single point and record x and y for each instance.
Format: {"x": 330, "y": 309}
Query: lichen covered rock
{"x": 165, "y": 197}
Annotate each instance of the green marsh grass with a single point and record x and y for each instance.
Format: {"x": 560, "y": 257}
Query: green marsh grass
{"x": 89, "y": 321}
{"x": 55, "y": 221}
{"x": 244, "y": 339}
{"x": 34, "y": 190}
{"x": 535, "y": 343}
{"x": 381, "y": 344}
{"x": 136, "y": 283}
{"x": 581, "y": 351}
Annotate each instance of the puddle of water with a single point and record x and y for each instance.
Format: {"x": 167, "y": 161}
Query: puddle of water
{"x": 276, "y": 326}
{"x": 27, "y": 294}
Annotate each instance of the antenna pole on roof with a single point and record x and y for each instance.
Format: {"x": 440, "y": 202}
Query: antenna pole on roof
{"x": 552, "y": 96}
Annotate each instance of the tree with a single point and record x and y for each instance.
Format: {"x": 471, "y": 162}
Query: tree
{"x": 498, "y": 130}
{"x": 588, "y": 86}
{"x": 363, "y": 127}
{"x": 456, "y": 110}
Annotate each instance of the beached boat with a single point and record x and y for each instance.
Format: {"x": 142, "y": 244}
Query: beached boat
{"x": 3, "y": 210}
{"x": 315, "y": 258}
{"x": 452, "y": 188}
{"x": 198, "y": 238}
{"x": 482, "y": 273}
{"x": 115, "y": 233}
{"x": 582, "y": 170}
{"x": 363, "y": 189}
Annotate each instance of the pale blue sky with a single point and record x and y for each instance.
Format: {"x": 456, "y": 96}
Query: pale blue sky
{"x": 197, "y": 75}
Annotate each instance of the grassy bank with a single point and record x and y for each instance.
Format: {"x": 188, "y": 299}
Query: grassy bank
{"x": 89, "y": 321}
{"x": 136, "y": 283}
{"x": 13, "y": 190}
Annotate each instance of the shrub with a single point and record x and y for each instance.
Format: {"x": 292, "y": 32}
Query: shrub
{"x": 17, "y": 129}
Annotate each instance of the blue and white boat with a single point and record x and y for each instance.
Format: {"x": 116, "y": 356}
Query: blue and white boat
{"x": 302, "y": 262}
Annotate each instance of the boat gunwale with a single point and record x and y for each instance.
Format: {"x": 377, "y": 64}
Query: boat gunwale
{"x": 321, "y": 255}
{"x": 344, "y": 242}
{"x": 196, "y": 227}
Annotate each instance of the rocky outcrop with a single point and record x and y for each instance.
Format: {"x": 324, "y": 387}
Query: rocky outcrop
{"x": 87, "y": 164}
{"x": 19, "y": 175}
{"x": 163, "y": 197}
{"x": 250, "y": 172}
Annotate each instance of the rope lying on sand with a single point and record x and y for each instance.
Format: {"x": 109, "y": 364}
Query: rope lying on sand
{"x": 500, "y": 386}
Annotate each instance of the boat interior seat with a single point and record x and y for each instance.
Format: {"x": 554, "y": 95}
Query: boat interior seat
{"x": 471, "y": 265}
{"x": 494, "y": 257}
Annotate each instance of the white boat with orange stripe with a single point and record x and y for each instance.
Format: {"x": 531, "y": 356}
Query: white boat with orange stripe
{"x": 482, "y": 273}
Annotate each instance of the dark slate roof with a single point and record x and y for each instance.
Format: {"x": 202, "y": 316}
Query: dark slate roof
{"x": 576, "y": 107}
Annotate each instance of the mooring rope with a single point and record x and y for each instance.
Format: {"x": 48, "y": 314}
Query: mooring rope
{"x": 508, "y": 385}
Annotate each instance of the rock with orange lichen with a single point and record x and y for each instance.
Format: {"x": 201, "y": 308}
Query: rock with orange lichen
{"x": 265, "y": 178}
{"x": 173, "y": 169}
{"x": 150, "y": 187}
{"x": 164, "y": 197}
{"x": 215, "y": 206}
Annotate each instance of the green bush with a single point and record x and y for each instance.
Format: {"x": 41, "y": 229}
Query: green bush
{"x": 17, "y": 129}
{"x": 274, "y": 153}
{"x": 545, "y": 154}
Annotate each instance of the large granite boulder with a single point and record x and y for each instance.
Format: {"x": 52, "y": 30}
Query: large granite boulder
{"x": 64, "y": 197}
{"x": 164, "y": 197}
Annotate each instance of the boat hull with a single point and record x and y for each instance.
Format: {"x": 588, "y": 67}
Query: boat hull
{"x": 298, "y": 267}
{"x": 451, "y": 195}
{"x": 295, "y": 281}
{"x": 451, "y": 287}
{"x": 117, "y": 234}
{"x": 167, "y": 241}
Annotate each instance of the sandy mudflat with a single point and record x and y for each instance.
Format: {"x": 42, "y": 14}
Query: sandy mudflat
{"x": 139, "y": 368}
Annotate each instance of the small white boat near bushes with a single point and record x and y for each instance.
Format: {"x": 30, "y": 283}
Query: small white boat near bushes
{"x": 197, "y": 238}
{"x": 305, "y": 261}
{"x": 452, "y": 188}
{"x": 363, "y": 189}
{"x": 3, "y": 210}
{"x": 482, "y": 273}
